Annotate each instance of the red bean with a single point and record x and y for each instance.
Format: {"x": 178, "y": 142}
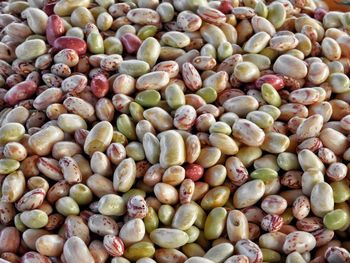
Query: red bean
{"x": 54, "y": 29}
{"x": 49, "y": 6}
{"x": 319, "y": 13}
{"x": 99, "y": 85}
{"x": 194, "y": 172}
{"x": 225, "y": 6}
{"x": 75, "y": 43}
{"x": 130, "y": 42}
{"x": 276, "y": 81}
{"x": 21, "y": 91}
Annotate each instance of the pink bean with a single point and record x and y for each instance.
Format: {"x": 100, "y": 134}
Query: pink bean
{"x": 130, "y": 42}
{"x": 19, "y": 92}
{"x": 54, "y": 29}
{"x": 99, "y": 85}
{"x": 74, "y": 43}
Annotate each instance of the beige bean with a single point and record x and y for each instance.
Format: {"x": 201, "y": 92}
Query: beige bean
{"x": 321, "y": 199}
{"x": 290, "y": 66}
{"x": 245, "y": 195}
{"x": 124, "y": 175}
{"x": 172, "y": 149}
{"x": 43, "y": 141}
{"x": 75, "y": 249}
{"x": 299, "y": 241}
{"x": 237, "y": 226}
{"x": 50, "y": 245}
{"x": 248, "y": 133}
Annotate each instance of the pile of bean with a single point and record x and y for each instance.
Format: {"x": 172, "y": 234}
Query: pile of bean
{"x": 174, "y": 131}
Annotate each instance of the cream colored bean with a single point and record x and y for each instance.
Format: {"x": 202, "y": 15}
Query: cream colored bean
{"x": 321, "y": 199}
{"x": 299, "y": 241}
{"x": 249, "y": 193}
{"x": 75, "y": 249}
{"x": 43, "y": 141}
{"x": 50, "y": 245}
{"x": 237, "y": 226}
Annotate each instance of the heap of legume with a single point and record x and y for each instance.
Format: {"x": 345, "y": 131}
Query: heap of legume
{"x": 174, "y": 131}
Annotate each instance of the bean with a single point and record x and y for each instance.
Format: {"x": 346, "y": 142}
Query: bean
{"x": 98, "y": 251}
{"x": 166, "y": 193}
{"x": 55, "y": 28}
{"x": 209, "y": 98}
{"x": 42, "y": 142}
{"x": 249, "y": 249}
{"x": 34, "y": 257}
{"x": 74, "y": 43}
{"x": 322, "y": 199}
{"x": 98, "y": 138}
{"x": 67, "y": 206}
{"x": 248, "y": 133}
{"x": 74, "y": 248}
{"x": 174, "y": 156}
{"x": 31, "y": 200}
{"x": 10, "y": 240}
{"x": 36, "y": 48}
{"x": 140, "y": 250}
{"x": 299, "y": 241}
{"x": 50, "y": 245}
{"x": 220, "y": 252}
{"x": 169, "y": 238}
{"x": 134, "y": 68}
{"x": 335, "y": 219}
{"x": 133, "y": 231}
{"x": 184, "y": 217}
{"x": 124, "y": 175}
{"x": 111, "y": 204}
{"x": 34, "y": 218}
{"x": 215, "y": 197}
{"x": 67, "y": 56}
{"x": 19, "y": 92}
